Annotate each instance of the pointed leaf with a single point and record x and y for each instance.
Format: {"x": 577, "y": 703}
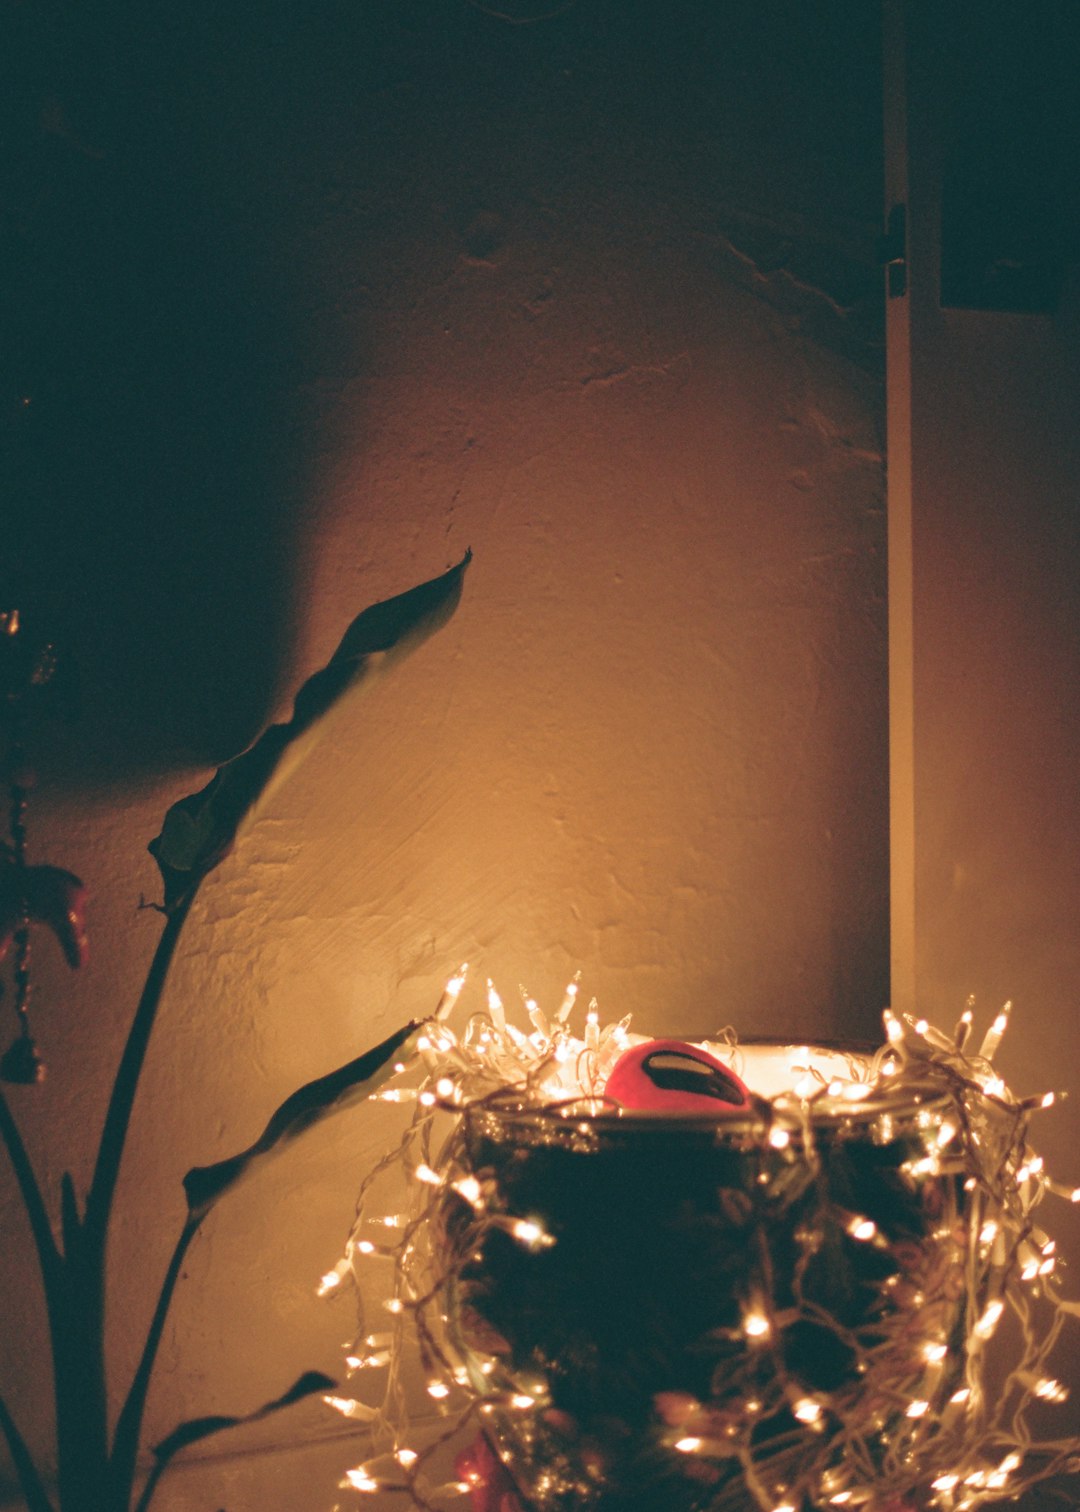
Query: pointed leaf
{"x": 30, "y": 1481}
{"x": 199, "y": 830}
{"x": 340, "y": 1089}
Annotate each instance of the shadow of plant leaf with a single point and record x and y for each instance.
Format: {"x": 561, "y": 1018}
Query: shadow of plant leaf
{"x": 198, "y": 831}
{"x": 309, "y": 1105}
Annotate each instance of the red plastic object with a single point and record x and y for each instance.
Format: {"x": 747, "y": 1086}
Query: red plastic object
{"x": 677, "y": 1077}
{"x": 490, "y": 1486}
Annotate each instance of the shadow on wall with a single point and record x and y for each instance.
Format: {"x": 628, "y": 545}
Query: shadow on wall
{"x": 153, "y": 456}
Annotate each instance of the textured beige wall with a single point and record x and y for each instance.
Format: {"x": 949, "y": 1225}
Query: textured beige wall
{"x": 596, "y": 301}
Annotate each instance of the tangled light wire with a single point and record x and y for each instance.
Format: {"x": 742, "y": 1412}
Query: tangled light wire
{"x": 913, "y": 1414}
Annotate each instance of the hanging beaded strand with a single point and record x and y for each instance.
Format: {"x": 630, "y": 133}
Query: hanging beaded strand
{"x": 21, "y": 1062}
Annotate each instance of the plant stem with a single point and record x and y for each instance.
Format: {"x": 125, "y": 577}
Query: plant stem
{"x": 37, "y": 1499}
{"x": 129, "y": 1424}
{"x": 47, "y": 1252}
{"x": 82, "y": 1423}
{"x": 77, "y": 1296}
{"x": 125, "y": 1085}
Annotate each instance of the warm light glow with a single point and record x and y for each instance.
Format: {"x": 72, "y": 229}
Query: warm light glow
{"x": 807, "y": 1410}
{"x": 531, "y": 1234}
{"x": 990, "y": 1319}
{"x": 359, "y": 1480}
{"x": 469, "y": 1188}
{"x": 329, "y": 1282}
{"x": 350, "y": 1408}
{"x": 956, "y": 1121}
{"x": 992, "y": 1038}
{"x": 451, "y": 994}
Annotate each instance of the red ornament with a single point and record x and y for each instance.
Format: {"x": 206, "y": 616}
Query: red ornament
{"x": 489, "y": 1483}
{"x": 676, "y": 1077}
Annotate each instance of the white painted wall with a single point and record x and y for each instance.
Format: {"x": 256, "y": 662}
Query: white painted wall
{"x": 984, "y": 455}
{"x": 595, "y": 298}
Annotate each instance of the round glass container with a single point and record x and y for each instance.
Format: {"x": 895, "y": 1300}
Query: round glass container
{"x": 669, "y": 1312}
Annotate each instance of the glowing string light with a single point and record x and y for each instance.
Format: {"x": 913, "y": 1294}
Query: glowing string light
{"x": 977, "y": 1147}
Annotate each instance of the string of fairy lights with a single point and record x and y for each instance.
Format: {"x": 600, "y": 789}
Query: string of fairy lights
{"x": 913, "y": 1412}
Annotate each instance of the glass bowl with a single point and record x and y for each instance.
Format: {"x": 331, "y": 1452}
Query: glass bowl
{"x": 694, "y": 1313}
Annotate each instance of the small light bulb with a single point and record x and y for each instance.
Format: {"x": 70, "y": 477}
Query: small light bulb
{"x": 688, "y": 1445}
{"x": 406, "y": 1457}
{"x": 990, "y": 1319}
{"x": 438, "y": 1390}
{"x": 360, "y": 1480}
{"x": 918, "y": 1409}
{"x": 779, "y": 1138}
{"x": 755, "y": 1325}
{"x": 807, "y": 1410}
{"x": 530, "y": 1233}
